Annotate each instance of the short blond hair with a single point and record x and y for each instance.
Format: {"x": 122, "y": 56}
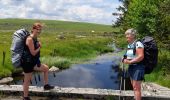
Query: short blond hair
{"x": 131, "y": 31}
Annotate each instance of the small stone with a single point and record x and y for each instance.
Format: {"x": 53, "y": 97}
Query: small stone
{"x": 53, "y": 68}
{"x": 154, "y": 90}
{"x": 6, "y": 80}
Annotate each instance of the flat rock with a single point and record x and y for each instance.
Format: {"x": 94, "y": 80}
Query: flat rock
{"x": 53, "y": 68}
{"x": 6, "y": 80}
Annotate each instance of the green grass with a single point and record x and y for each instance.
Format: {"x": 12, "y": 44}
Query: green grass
{"x": 79, "y": 42}
{"x": 161, "y": 73}
{"x": 61, "y": 63}
{"x": 120, "y": 40}
{"x": 81, "y": 48}
{"x": 53, "y": 26}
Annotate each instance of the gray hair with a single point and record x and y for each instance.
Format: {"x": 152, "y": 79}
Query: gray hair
{"x": 131, "y": 31}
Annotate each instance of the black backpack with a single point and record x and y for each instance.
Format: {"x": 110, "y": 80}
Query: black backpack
{"x": 150, "y": 53}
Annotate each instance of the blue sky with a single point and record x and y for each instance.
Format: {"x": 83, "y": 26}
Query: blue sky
{"x": 92, "y": 11}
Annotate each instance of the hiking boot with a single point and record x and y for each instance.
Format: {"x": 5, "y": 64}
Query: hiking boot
{"x": 48, "y": 87}
{"x": 26, "y": 98}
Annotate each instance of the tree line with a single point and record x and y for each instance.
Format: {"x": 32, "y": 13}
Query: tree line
{"x": 149, "y": 17}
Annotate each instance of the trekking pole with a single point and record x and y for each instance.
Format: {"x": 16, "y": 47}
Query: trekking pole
{"x": 124, "y": 73}
{"x": 120, "y": 91}
{"x": 122, "y": 77}
{"x": 122, "y": 80}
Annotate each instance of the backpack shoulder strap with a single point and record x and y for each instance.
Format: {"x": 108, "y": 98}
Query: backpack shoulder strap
{"x": 25, "y": 46}
{"x": 134, "y": 48}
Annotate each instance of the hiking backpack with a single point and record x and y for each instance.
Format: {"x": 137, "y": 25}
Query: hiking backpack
{"x": 150, "y": 53}
{"x": 17, "y": 46}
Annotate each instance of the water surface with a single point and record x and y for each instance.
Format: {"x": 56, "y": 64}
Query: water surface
{"x": 99, "y": 73}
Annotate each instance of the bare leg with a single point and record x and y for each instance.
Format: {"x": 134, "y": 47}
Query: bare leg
{"x": 43, "y": 68}
{"x": 133, "y": 87}
{"x": 137, "y": 89}
{"x": 27, "y": 79}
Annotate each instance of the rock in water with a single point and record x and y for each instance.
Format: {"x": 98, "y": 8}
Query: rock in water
{"x": 53, "y": 68}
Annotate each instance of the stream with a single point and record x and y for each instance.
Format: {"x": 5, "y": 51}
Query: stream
{"x": 102, "y": 72}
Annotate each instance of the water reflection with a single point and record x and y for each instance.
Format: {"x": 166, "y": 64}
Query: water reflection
{"x": 101, "y": 73}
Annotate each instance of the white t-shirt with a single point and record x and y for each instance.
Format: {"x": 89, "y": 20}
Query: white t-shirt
{"x": 130, "y": 50}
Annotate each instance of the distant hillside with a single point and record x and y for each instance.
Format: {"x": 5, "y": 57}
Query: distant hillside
{"x": 54, "y": 26}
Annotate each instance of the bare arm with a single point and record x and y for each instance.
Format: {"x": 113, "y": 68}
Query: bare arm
{"x": 30, "y": 44}
{"x": 138, "y": 58}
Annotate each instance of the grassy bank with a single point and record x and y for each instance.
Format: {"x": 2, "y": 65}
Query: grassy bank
{"x": 73, "y": 49}
{"x": 63, "y": 43}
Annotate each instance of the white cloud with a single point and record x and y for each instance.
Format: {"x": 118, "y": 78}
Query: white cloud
{"x": 94, "y": 11}
{"x": 6, "y": 2}
{"x": 87, "y": 13}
